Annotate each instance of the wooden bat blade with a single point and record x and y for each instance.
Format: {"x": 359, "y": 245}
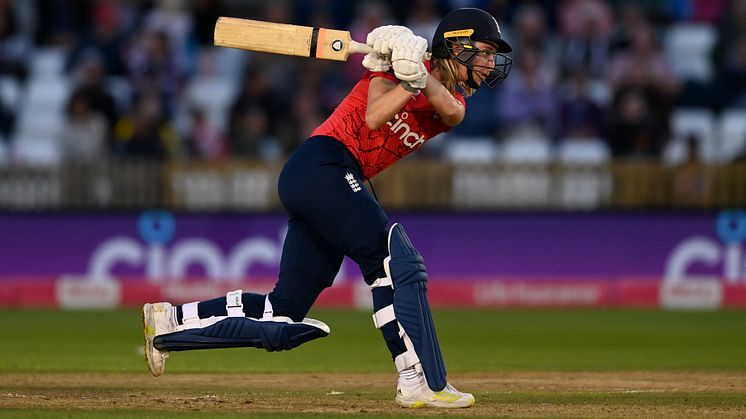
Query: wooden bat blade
{"x": 281, "y": 38}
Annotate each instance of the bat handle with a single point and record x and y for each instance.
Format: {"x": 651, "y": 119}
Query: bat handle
{"x": 361, "y": 48}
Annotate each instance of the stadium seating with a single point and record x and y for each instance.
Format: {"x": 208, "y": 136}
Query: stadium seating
{"x": 10, "y": 92}
{"x": 527, "y": 149}
{"x": 47, "y": 62}
{"x": 699, "y": 123}
{"x": 584, "y": 181}
{"x": 41, "y": 114}
{"x": 464, "y": 150}
{"x": 527, "y": 181}
{"x": 688, "y": 46}
{"x": 731, "y": 134}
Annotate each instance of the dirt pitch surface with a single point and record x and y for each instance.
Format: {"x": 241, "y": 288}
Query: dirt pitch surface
{"x": 617, "y": 394}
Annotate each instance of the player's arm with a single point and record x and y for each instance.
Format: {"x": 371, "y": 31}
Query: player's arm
{"x": 406, "y": 58}
{"x": 451, "y": 111}
{"x": 385, "y": 99}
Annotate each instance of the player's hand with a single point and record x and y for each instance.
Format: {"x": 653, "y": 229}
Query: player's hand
{"x": 376, "y": 62}
{"x": 382, "y": 38}
{"x": 407, "y": 56}
{"x": 419, "y": 83}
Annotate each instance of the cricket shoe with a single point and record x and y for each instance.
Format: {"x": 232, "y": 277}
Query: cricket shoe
{"x": 157, "y": 319}
{"x": 416, "y": 393}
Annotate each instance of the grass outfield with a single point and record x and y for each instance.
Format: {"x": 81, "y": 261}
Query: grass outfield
{"x": 555, "y": 363}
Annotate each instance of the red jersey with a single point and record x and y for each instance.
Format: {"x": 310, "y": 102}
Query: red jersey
{"x": 378, "y": 149}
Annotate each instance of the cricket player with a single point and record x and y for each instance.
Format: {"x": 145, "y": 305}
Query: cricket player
{"x": 400, "y": 102}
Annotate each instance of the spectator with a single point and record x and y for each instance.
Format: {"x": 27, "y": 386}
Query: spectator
{"x": 580, "y": 115}
{"x": 586, "y": 26}
{"x": 172, "y": 19}
{"x": 632, "y": 18}
{"x": 90, "y": 77}
{"x": 205, "y": 140}
{"x": 153, "y": 67}
{"x": 731, "y": 28}
{"x": 147, "y": 132}
{"x": 734, "y": 75}
{"x": 633, "y": 131}
{"x": 531, "y": 30}
{"x": 106, "y": 38}
{"x": 574, "y": 15}
{"x": 84, "y": 135}
{"x": 251, "y": 138}
{"x": 256, "y": 91}
{"x": 527, "y": 100}
{"x": 643, "y": 73}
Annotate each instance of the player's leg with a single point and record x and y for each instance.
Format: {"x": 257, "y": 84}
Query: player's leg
{"x": 163, "y": 318}
{"x": 307, "y": 266}
{"x": 273, "y": 322}
{"x": 252, "y": 305}
{"x": 330, "y": 198}
{"x": 396, "y": 273}
{"x": 401, "y": 305}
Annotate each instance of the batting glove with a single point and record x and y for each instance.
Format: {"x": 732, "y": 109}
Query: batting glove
{"x": 407, "y": 56}
{"x": 376, "y": 62}
{"x": 382, "y": 38}
{"x": 418, "y": 84}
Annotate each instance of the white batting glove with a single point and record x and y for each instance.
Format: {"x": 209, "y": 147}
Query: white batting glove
{"x": 419, "y": 83}
{"x": 407, "y": 56}
{"x": 375, "y": 62}
{"x": 382, "y": 38}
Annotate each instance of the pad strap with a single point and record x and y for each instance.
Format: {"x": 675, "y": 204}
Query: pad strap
{"x": 190, "y": 316}
{"x": 382, "y": 282}
{"x": 384, "y": 316}
{"x": 269, "y": 311}
{"x": 406, "y": 360}
{"x": 233, "y": 304}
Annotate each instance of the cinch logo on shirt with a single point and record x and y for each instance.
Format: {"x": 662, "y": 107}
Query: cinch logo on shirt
{"x": 409, "y": 138}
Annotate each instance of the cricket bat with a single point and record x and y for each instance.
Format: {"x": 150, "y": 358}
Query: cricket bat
{"x": 281, "y": 38}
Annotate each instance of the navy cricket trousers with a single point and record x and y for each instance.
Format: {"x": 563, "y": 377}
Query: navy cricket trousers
{"x": 331, "y": 215}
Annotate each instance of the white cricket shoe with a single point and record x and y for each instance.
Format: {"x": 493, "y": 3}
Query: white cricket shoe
{"x": 415, "y": 393}
{"x": 157, "y": 319}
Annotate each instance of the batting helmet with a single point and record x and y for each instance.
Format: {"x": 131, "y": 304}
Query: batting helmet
{"x": 455, "y": 37}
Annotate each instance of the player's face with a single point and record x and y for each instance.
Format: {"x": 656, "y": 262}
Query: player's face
{"x": 484, "y": 61}
{"x": 482, "y": 64}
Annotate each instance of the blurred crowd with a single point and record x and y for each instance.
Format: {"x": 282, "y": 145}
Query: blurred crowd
{"x": 141, "y": 78}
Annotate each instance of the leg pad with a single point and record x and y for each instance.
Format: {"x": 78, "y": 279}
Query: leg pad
{"x": 239, "y": 332}
{"x": 406, "y": 269}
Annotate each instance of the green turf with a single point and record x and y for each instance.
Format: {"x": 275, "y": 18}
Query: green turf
{"x": 473, "y": 341}
{"x": 39, "y": 341}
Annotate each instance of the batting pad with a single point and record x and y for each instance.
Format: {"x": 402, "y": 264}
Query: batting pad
{"x": 406, "y": 269}
{"x": 239, "y": 332}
